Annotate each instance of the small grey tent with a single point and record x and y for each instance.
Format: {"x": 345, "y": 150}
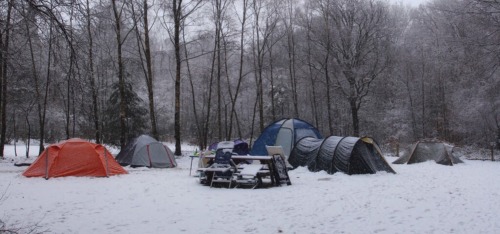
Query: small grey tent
{"x": 145, "y": 151}
{"x": 351, "y": 155}
{"x": 429, "y": 149}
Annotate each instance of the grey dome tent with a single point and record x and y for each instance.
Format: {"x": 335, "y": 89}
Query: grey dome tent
{"x": 429, "y": 149}
{"x": 351, "y": 155}
{"x": 145, "y": 151}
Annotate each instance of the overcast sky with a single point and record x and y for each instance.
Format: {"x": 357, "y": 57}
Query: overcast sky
{"x": 410, "y": 2}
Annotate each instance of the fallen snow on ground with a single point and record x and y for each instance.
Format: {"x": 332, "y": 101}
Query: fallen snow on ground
{"x": 420, "y": 198}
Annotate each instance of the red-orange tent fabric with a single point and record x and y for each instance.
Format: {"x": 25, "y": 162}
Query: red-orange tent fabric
{"x": 74, "y": 157}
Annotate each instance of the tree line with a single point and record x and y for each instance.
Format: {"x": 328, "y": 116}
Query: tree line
{"x": 204, "y": 71}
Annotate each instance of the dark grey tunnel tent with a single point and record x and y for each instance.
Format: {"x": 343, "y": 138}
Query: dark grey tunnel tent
{"x": 351, "y": 155}
{"x": 429, "y": 149}
{"x": 145, "y": 151}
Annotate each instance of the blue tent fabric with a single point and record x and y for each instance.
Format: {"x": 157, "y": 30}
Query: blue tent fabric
{"x": 300, "y": 129}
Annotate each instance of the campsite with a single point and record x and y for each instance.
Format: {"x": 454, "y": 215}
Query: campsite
{"x": 421, "y": 198}
{"x": 249, "y": 116}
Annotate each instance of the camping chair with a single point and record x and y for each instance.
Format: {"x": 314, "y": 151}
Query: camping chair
{"x": 223, "y": 167}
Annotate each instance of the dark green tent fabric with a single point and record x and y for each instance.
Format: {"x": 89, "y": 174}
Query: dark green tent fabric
{"x": 429, "y": 149}
{"x": 145, "y": 151}
{"x": 351, "y": 155}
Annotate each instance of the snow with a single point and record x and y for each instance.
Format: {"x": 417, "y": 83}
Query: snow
{"x": 420, "y": 198}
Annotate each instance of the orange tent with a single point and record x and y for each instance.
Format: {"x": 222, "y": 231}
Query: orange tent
{"x": 74, "y": 157}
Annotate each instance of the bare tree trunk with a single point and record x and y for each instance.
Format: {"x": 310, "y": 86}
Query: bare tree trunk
{"x": 149, "y": 78}
{"x": 36, "y": 81}
{"x": 328, "y": 92}
{"x": 497, "y": 122}
{"x": 70, "y": 74}
{"x": 199, "y": 131}
{"x": 314, "y": 104}
{"x": 148, "y": 67}
{"x": 291, "y": 59}
{"x": 273, "y": 110}
{"x": 424, "y": 133}
{"x": 410, "y": 76}
{"x": 4, "y": 54}
{"x": 443, "y": 126}
{"x": 177, "y": 10}
{"x": 310, "y": 67}
{"x": 229, "y": 89}
{"x": 121, "y": 78}
{"x": 218, "y": 35}
{"x": 209, "y": 100}
{"x": 93, "y": 87}
{"x": 326, "y": 65}
{"x": 29, "y": 137}
{"x": 258, "y": 69}
{"x": 240, "y": 70}
{"x": 354, "y": 115}
{"x": 43, "y": 112}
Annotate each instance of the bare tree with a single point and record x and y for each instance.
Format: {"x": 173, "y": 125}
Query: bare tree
{"x": 306, "y": 21}
{"x": 324, "y": 40}
{"x": 179, "y": 12}
{"x": 291, "y": 45}
{"x": 360, "y": 49}
{"x": 4, "y": 56}
{"x": 234, "y": 99}
{"x": 265, "y": 23}
{"x": 91, "y": 73}
{"x": 121, "y": 79}
{"x": 144, "y": 46}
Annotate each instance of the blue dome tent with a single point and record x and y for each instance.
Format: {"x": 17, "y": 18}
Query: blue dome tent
{"x": 284, "y": 132}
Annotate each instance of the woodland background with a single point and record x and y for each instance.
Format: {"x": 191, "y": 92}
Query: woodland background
{"x": 204, "y": 71}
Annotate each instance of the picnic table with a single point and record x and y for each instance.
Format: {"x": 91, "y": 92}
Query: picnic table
{"x": 267, "y": 168}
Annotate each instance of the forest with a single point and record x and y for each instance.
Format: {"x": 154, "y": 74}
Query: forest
{"x": 202, "y": 71}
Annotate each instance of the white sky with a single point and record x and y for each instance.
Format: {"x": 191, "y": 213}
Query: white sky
{"x": 413, "y": 3}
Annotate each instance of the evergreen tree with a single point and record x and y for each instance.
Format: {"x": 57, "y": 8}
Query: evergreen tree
{"x": 136, "y": 112}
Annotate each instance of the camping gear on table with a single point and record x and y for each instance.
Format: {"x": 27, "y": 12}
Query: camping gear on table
{"x": 240, "y": 147}
{"x": 264, "y": 170}
{"x": 222, "y": 168}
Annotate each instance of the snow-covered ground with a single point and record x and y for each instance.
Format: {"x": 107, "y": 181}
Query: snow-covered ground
{"x": 420, "y": 198}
